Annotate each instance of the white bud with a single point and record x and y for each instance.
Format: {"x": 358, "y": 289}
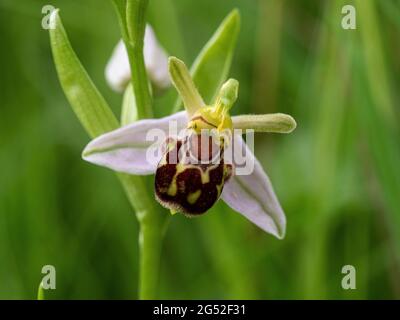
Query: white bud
{"x": 118, "y": 72}
{"x": 156, "y": 60}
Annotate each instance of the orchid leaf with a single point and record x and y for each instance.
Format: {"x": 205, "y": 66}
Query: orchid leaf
{"x": 86, "y": 101}
{"x": 40, "y": 293}
{"x": 163, "y": 17}
{"x": 211, "y": 67}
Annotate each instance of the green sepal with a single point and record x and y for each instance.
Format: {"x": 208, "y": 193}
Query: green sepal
{"x": 129, "y": 113}
{"x": 211, "y": 67}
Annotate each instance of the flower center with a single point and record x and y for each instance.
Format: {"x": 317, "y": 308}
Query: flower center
{"x": 216, "y": 116}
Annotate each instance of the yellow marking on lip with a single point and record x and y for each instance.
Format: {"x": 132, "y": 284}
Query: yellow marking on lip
{"x": 194, "y": 196}
{"x": 173, "y": 187}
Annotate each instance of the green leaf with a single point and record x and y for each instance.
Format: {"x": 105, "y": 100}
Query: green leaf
{"x": 163, "y": 17}
{"x": 88, "y": 104}
{"x": 40, "y": 294}
{"x": 211, "y": 67}
{"x": 129, "y": 112}
{"x": 374, "y": 57}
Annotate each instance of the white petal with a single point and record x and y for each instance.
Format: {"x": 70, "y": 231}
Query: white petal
{"x": 134, "y": 148}
{"x": 253, "y": 196}
{"x": 156, "y": 60}
{"x": 118, "y": 72}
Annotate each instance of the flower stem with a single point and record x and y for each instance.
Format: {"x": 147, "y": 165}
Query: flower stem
{"x": 131, "y": 15}
{"x": 153, "y": 220}
{"x": 150, "y": 219}
{"x": 140, "y": 83}
{"x": 150, "y": 245}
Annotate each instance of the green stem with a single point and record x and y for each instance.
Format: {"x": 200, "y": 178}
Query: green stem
{"x": 152, "y": 218}
{"x": 150, "y": 245}
{"x": 136, "y": 25}
{"x": 140, "y": 82}
{"x": 131, "y": 15}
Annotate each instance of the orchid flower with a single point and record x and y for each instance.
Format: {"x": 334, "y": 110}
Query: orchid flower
{"x": 194, "y": 188}
{"x": 118, "y": 71}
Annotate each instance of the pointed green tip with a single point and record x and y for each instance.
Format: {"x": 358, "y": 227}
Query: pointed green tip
{"x": 40, "y": 294}
{"x": 172, "y": 59}
{"x": 230, "y": 26}
{"x": 230, "y": 89}
{"x": 174, "y": 62}
{"x": 173, "y": 212}
{"x": 234, "y": 16}
{"x": 228, "y": 93}
{"x": 176, "y": 67}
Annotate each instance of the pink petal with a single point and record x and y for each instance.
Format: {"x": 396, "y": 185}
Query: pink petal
{"x": 134, "y": 149}
{"x": 252, "y": 196}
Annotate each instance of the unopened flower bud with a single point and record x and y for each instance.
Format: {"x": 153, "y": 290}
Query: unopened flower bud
{"x": 118, "y": 72}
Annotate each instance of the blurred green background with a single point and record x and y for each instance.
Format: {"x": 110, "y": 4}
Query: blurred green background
{"x": 337, "y": 176}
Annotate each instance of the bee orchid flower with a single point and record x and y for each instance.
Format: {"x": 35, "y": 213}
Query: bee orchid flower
{"x": 187, "y": 186}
